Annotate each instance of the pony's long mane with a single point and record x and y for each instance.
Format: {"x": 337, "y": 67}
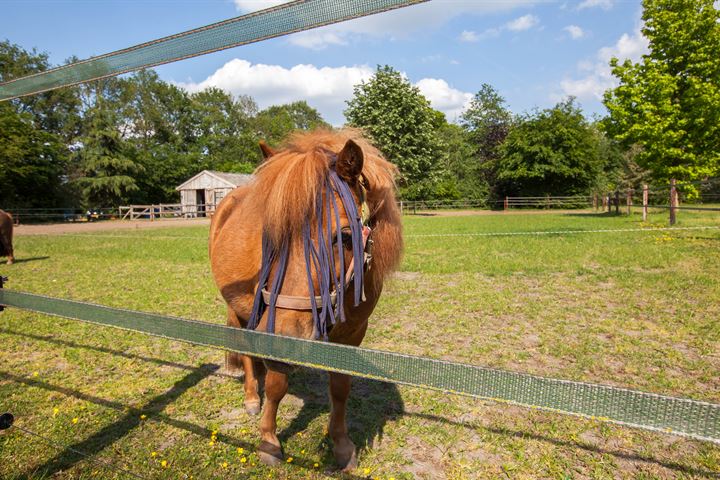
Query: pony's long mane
{"x": 286, "y": 187}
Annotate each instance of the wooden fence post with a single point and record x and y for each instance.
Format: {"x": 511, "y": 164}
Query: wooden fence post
{"x": 629, "y": 201}
{"x": 506, "y": 204}
{"x": 673, "y": 202}
{"x": 645, "y": 202}
{"x": 595, "y": 201}
{"x": 617, "y": 202}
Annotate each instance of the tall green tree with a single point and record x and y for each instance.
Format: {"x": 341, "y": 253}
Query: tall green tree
{"x": 225, "y": 137}
{"x": 35, "y": 134}
{"x": 275, "y": 123}
{"x": 487, "y": 122}
{"x": 554, "y": 151}
{"x": 400, "y": 121}
{"x": 669, "y": 102}
{"x": 106, "y": 172}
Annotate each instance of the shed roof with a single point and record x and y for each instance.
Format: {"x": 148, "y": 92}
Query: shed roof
{"x": 232, "y": 180}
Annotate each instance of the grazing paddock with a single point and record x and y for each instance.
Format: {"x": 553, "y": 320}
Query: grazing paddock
{"x": 629, "y": 308}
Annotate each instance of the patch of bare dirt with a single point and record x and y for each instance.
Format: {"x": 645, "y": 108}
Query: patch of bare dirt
{"x": 110, "y": 225}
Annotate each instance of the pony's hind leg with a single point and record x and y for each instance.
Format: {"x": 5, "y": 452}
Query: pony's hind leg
{"x": 343, "y": 447}
{"x": 276, "y": 386}
{"x": 235, "y": 361}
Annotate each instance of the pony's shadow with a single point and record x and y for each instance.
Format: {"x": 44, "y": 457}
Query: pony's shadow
{"x": 370, "y": 406}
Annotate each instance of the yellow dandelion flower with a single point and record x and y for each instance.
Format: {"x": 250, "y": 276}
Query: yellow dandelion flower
{"x": 153, "y": 454}
{"x": 214, "y": 432}
{"x": 243, "y": 431}
{"x": 224, "y": 465}
{"x": 366, "y": 471}
{"x": 240, "y": 450}
{"x": 211, "y": 443}
{"x": 302, "y": 452}
{"x": 290, "y": 459}
{"x": 55, "y": 411}
{"x": 143, "y": 416}
{"x": 164, "y": 464}
{"x": 243, "y": 460}
{"x": 75, "y": 420}
{"x": 213, "y": 438}
{"x": 35, "y": 374}
{"x": 316, "y": 465}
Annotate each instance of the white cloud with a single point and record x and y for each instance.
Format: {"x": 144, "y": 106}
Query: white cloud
{"x": 317, "y": 40}
{"x": 443, "y": 97}
{"x": 519, "y": 24}
{"x": 253, "y": 5}
{"x": 604, "y": 4}
{"x": 325, "y": 89}
{"x": 598, "y": 75}
{"x": 395, "y": 23}
{"x": 522, "y": 23}
{"x": 469, "y": 36}
{"x": 574, "y": 31}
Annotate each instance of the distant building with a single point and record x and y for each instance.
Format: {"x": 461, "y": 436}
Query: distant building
{"x": 201, "y": 194}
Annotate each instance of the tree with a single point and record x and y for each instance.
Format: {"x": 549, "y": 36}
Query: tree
{"x": 487, "y": 122}
{"x": 275, "y": 123}
{"x": 35, "y": 133}
{"x": 669, "y": 102}
{"x": 107, "y": 174}
{"x": 554, "y": 151}
{"x": 401, "y": 123}
{"x": 225, "y": 139}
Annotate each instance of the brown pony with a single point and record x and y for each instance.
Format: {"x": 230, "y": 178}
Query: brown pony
{"x": 283, "y": 198}
{"x": 6, "y": 234}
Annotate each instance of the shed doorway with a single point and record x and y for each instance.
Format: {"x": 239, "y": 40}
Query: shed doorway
{"x": 200, "y": 202}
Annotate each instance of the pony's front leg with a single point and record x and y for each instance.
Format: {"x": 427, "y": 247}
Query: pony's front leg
{"x": 276, "y": 386}
{"x": 343, "y": 447}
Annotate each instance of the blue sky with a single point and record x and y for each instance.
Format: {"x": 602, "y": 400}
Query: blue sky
{"x": 534, "y": 52}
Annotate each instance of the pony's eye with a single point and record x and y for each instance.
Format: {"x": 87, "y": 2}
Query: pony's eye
{"x": 346, "y": 236}
{"x": 347, "y": 239}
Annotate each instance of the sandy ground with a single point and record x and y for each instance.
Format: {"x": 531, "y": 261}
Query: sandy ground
{"x": 84, "y": 227}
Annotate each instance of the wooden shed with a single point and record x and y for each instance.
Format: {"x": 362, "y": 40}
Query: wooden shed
{"x": 200, "y": 194}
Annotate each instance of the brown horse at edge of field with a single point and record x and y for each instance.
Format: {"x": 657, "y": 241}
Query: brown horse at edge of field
{"x": 276, "y": 209}
{"x": 6, "y": 234}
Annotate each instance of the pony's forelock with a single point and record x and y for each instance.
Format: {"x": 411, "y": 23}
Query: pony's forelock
{"x": 286, "y": 188}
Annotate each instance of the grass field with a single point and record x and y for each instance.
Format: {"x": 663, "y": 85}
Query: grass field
{"x": 637, "y": 309}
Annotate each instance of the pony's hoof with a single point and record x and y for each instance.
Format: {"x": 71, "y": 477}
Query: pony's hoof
{"x": 10, "y": 262}
{"x": 270, "y": 454}
{"x": 346, "y": 463}
{"x": 252, "y": 408}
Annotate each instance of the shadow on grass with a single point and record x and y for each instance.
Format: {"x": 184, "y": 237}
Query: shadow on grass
{"x": 30, "y": 259}
{"x": 371, "y": 405}
{"x": 106, "y": 436}
{"x": 595, "y": 449}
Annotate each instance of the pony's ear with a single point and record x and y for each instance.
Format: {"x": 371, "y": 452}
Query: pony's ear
{"x": 350, "y": 162}
{"x": 267, "y": 152}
